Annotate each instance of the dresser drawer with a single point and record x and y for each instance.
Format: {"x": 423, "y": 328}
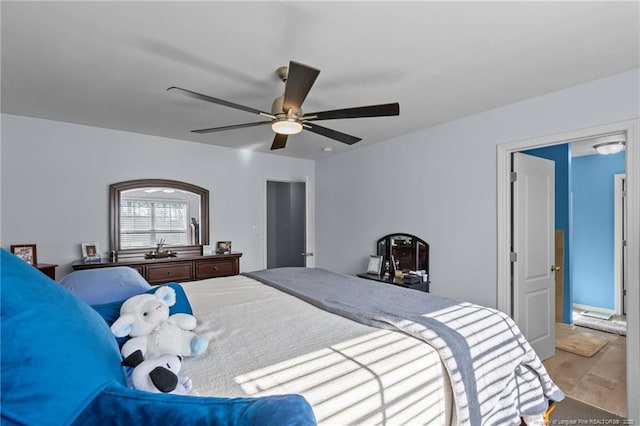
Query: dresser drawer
{"x": 215, "y": 268}
{"x": 158, "y": 274}
{"x": 160, "y": 271}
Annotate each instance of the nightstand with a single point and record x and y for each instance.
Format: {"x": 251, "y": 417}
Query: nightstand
{"x": 48, "y": 269}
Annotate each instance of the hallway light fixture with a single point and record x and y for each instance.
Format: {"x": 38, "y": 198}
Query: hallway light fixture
{"x": 610, "y": 144}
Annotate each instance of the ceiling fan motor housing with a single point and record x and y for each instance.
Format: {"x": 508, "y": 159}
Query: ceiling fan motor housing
{"x": 276, "y": 107}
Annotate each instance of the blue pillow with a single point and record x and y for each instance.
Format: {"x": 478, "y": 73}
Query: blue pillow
{"x": 105, "y": 285}
{"x": 111, "y": 311}
{"x": 56, "y": 354}
{"x": 61, "y": 365}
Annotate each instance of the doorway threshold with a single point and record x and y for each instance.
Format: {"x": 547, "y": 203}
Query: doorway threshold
{"x": 616, "y": 324}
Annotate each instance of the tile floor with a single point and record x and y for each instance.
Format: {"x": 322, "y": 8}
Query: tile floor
{"x": 599, "y": 380}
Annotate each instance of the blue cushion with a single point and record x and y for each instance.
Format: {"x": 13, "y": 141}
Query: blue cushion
{"x": 118, "y": 406}
{"x": 57, "y": 353}
{"x": 105, "y": 285}
{"x": 111, "y": 311}
{"x": 61, "y": 365}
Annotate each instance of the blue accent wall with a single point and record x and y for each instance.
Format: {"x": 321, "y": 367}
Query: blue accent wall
{"x": 593, "y": 233}
{"x": 561, "y": 155}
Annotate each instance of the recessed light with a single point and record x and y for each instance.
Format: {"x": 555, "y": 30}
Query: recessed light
{"x": 327, "y": 149}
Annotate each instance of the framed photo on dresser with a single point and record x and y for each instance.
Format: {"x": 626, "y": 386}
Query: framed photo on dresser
{"x": 91, "y": 252}
{"x": 375, "y": 265}
{"x": 223, "y": 247}
{"x": 26, "y": 252}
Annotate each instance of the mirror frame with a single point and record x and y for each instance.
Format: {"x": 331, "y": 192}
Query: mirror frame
{"x": 115, "y": 192}
{"x": 386, "y": 240}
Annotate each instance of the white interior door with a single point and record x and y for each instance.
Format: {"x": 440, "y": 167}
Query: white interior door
{"x": 533, "y": 244}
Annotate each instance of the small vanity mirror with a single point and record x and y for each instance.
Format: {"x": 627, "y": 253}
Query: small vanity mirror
{"x": 410, "y": 252}
{"x": 154, "y": 213}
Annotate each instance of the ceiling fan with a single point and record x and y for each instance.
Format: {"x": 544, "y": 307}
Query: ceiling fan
{"x": 286, "y": 117}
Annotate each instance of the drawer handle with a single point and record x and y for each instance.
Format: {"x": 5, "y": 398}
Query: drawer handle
{"x": 215, "y": 268}
{"x": 169, "y": 272}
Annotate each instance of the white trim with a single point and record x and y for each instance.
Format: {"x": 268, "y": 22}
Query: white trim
{"x": 504, "y": 230}
{"x": 617, "y": 242}
{"x": 310, "y": 242}
{"x": 594, "y": 308}
{"x": 632, "y": 269}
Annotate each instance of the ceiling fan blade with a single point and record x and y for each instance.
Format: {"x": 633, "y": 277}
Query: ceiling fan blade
{"x": 382, "y": 110}
{"x": 233, "y": 126}
{"x": 279, "y": 142}
{"x": 299, "y": 81}
{"x": 211, "y": 99}
{"x": 333, "y": 134}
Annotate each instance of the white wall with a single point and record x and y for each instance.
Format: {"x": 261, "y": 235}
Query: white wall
{"x": 56, "y": 177}
{"x": 440, "y": 184}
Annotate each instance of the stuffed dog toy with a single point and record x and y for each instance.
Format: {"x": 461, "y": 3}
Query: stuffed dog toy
{"x": 159, "y": 375}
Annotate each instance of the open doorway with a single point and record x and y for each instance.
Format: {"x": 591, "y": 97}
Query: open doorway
{"x": 631, "y": 269}
{"x": 286, "y": 220}
{"x": 589, "y": 363}
{"x": 589, "y": 226}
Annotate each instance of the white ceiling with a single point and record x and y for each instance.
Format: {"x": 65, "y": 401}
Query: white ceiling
{"x": 108, "y": 64}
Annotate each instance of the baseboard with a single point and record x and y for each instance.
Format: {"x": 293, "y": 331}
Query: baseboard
{"x": 594, "y": 308}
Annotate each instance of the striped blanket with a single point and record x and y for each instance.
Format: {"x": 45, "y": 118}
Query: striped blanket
{"x": 496, "y": 376}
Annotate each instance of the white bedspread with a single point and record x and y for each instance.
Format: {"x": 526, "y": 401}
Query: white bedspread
{"x": 265, "y": 342}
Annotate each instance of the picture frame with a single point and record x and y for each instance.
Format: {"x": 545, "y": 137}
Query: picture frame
{"x": 91, "y": 252}
{"x": 375, "y": 265}
{"x": 26, "y": 252}
{"x": 223, "y": 247}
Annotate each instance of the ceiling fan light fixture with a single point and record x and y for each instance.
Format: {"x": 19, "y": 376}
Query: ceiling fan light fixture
{"x": 286, "y": 127}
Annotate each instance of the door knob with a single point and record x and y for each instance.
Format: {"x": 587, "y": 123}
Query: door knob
{"x": 555, "y": 268}
{"x": 307, "y": 254}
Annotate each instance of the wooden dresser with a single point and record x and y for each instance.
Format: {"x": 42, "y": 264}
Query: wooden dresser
{"x": 176, "y": 269}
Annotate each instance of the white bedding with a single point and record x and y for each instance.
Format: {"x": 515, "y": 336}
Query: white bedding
{"x": 265, "y": 342}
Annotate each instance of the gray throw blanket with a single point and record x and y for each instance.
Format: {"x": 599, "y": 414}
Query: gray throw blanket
{"x": 495, "y": 374}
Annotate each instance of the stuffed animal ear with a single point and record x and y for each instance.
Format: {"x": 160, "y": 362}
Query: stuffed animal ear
{"x": 123, "y": 325}
{"x": 134, "y": 359}
{"x": 164, "y": 379}
{"x": 167, "y": 294}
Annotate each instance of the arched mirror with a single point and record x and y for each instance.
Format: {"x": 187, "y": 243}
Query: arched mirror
{"x": 148, "y": 212}
{"x": 409, "y": 252}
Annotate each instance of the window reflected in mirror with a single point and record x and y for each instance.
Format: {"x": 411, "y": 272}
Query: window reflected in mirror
{"x": 150, "y": 216}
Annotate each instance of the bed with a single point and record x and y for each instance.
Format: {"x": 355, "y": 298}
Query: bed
{"x": 284, "y": 353}
{"x": 266, "y": 342}
{"x": 365, "y": 352}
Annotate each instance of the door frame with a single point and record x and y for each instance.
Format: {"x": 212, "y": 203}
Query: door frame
{"x": 618, "y": 218}
{"x": 632, "y": 269}
{"x": 310, "y": 236}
